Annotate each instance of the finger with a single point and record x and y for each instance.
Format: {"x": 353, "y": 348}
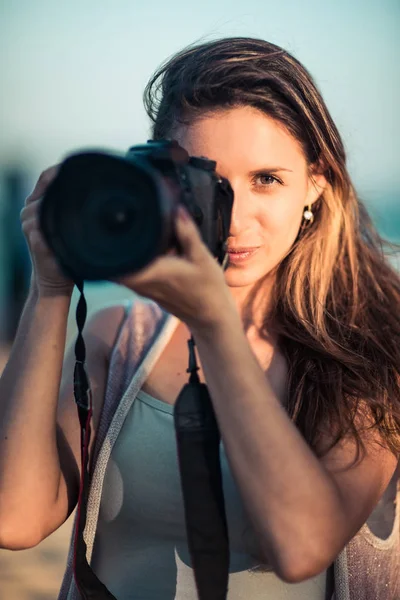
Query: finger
{"x": 161, "y": 270}
{"x": 37, "y": 243}
{"x": 28, "y": 225}
{"x": 30, "y": 210}
{"x": 31, "y": 231}
{"x": 42, "y": 183}
{"x": 189, "y": 235}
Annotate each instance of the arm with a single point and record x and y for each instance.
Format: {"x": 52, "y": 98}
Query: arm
{"x": 29, "y": 466}
{"x": 303, "y": 509}
{"x": 39, "y": 427}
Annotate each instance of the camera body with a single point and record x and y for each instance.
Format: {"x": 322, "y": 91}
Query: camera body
{"x": 106, "y": 215}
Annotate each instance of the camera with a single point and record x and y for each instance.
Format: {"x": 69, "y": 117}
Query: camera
{"x": 107, "y": 214}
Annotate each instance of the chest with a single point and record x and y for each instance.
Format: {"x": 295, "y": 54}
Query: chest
{"x": 169, "y": 375}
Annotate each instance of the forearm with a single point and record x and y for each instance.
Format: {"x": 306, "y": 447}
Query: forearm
{"x": 294, "y": 504}
{"x": 29, "y": 389}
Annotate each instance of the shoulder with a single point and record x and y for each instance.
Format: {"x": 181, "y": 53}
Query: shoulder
{"x": 115, "y": 339}
{"x": 104, "y": 324}
{"x": 100, "y": 334}
{"x": 132, "y": 318}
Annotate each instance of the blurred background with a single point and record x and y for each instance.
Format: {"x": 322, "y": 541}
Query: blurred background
{"x": 72, "y": 76}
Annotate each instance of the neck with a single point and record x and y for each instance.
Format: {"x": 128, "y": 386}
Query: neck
{"x": 253, "y": 303}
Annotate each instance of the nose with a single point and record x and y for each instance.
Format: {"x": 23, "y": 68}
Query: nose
{"x": 240, "y": 216}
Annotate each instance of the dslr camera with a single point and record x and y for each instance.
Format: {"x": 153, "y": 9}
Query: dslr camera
{"x": 106, "y": 215}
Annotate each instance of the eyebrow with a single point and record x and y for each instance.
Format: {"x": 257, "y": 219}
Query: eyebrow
{"x": 262, "y": 170}
{"x": 268, "y": 170}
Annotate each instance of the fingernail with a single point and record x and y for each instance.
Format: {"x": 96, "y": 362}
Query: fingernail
{"x": 183, "y": 213}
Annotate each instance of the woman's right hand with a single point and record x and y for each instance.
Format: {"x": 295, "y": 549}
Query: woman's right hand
{"x": 47, "y": 276}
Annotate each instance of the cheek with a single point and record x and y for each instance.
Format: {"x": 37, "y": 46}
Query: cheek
{"x": 282, "y": 221}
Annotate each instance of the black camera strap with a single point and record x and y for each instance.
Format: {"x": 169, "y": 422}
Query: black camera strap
{"x": 198, "y": 446}
{"x": 198, "y": 442}
{"x": 88, "y": 584}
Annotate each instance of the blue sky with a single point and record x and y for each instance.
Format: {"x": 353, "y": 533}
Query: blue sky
{"x": 72, "y": 74}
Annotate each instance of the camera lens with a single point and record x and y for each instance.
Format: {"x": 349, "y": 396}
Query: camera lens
{"x": 115, "y": 211}
{"x": 104, "y": 216}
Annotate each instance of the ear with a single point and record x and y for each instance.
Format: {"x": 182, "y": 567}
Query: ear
{"x": 316, "y": 184}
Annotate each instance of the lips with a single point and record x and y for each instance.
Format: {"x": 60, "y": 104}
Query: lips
{"x": 242, "y": 250}
{"x": 236, "y": 258}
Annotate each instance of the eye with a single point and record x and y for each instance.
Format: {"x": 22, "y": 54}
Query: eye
{"x": 264, "y": 180}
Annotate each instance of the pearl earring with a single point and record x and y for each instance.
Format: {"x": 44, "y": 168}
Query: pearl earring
{"x": 308, "y": 214}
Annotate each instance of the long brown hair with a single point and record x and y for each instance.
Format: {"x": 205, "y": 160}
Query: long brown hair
{"x": 336, "y": 297}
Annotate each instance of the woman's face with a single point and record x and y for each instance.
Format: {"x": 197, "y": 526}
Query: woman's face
{"x": 268, "y": 172}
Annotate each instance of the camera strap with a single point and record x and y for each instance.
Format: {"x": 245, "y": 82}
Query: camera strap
{"x": 87, "y": 582}
{"x": 198, "y": 443}
{"x": 198, "y": 447}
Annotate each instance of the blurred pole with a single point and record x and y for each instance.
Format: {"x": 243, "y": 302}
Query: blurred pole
{"x": 15, "y": 264}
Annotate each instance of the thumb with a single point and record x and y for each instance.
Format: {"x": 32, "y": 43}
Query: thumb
{"x": 188, "y": 234}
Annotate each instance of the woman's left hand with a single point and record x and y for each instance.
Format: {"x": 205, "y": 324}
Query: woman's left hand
{"x": 190, "y": 286}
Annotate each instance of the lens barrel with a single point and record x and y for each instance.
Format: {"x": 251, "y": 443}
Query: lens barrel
{"x": 104, "y": 216}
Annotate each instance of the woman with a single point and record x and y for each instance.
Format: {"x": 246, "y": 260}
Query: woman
{"x": 298, "y": 342}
